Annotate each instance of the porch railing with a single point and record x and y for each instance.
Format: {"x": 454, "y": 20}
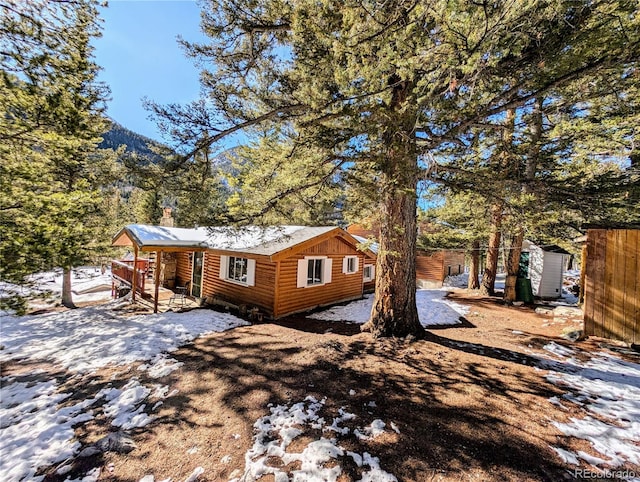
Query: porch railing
{"x": 123, "y": 272}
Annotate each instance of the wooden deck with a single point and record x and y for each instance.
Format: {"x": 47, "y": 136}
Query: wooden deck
{"x": 149, "y": 289}
{"x": 165, "y": 303}
{"x": 123, "y": 275}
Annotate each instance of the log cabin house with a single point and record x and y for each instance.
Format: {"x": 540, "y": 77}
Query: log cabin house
{"x": 432, "y": 267}
{"x": 276, "y": 270}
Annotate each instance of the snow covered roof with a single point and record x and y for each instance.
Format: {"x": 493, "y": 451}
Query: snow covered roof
{"x": 554, "y": 248}
{"x": 250, "y": 239}
{"x": 370, "y": 245}
{"x": 549, "y": 248}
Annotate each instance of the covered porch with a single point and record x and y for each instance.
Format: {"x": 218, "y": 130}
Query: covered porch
{"x": 150, "y": 272}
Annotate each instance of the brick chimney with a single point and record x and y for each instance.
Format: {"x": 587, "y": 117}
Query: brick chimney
{"x": 167, "y": 218}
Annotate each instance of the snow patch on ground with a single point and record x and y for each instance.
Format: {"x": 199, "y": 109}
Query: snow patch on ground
{"x": 607, "y": 388}
{"x": 319, "y": 460}
{"x": 456, "y": 281}
{"x": 92, "y": 476}
{"x": 125, "y": 406}
{"x": 88, "y": 284}
{"x": 35, "y": 431}
{"x": 433, "y": 309}
{"x": 371, "y": 431}
{"x": 86, "y": 339}
{"x": 161, "y": 365}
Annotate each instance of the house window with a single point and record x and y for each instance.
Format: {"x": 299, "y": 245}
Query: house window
{"x": 350, "y": 264}
{"x": 237, "y": 270}
{"x": 367, "y": 273}
{"x": 314, "y": 271}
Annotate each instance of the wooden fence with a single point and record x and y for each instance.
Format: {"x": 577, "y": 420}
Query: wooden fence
{"x": 612, "y": 284}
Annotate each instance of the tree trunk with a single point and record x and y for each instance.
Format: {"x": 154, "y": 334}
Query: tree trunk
{"x": 67, "y": 298}
{"x": 474, "y": 267}
{"x": 493, "y": 252}
{"x": 394, "y": 311}
{"x": 487, "y": 288}
{"x": 513, "y": 266}
{"x": 530, "y": 169}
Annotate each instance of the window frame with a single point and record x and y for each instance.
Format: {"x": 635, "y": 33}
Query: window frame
{"x": 234, "y": 264}
{"x": 227, "y": 270}
{"x": 371, "y": 268}
{"x": 347, "y": 262}
{"x": 322, "y": 263}
{"x": 317, "y": 269}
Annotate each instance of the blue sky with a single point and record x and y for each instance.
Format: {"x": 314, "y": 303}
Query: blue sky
{"x": 140, "y": 57}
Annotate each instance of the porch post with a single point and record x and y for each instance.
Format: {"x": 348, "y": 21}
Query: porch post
{"x": 135, "y": 273}
{"x": 156, "y": 274}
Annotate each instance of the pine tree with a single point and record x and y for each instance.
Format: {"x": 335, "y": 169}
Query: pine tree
{"x": 463, "y": 221}
{"x": 54, "y": 177}
{"x": 380, "y": 88}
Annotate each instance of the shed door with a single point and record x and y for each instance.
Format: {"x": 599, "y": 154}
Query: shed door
{"x": 551, "y": 283}
{"x": 196, "y": 278}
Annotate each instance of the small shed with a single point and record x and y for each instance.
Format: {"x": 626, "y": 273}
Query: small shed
{"x": 432, "y": 267}
{"x": 544, "y": 265}
{"x": 611, "y": 266}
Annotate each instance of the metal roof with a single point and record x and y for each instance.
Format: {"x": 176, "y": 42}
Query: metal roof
{"x": 250, "y": 239}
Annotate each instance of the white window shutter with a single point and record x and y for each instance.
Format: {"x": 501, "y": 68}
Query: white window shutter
{"x": 373, "y": 272}
{"x": 302, "y": 272}
{"x": 224, "y": 267}
{"x": 345, "y": 264}
{"x": 251, "y": 272}
{"x": 357, "y": 264}
{"x": 327, "y": 271}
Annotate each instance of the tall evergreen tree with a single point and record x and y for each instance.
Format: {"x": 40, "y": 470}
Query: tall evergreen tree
{"x": 379, "y": 88}
{"x": 53, "y": 175}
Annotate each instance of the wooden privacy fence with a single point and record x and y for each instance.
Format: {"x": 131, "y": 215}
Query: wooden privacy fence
{"x": 612, "y": 285}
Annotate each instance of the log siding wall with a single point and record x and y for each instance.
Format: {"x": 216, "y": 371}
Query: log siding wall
{"x": 184, "y": 261}
{"x": 437, "y": 266}
{"x": 343, "y": 287}
{"x": 453, "y": 260}
{"x": 430, "y": 267}
{"x": 261, "y": 294}
{"x": 275, "y": 291}
{"x": 612, "y": 284}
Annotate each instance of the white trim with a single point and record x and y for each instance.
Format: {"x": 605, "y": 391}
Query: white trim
{"x": 251, "y": 272}
{"x": 345, "y": 264}
{"x": 303, "y": 267}
{"x": 224, "y": 267}
{"x": 367, "y": 279}
{"x": 326, "y": 276}
{"x": 302, "y": 273}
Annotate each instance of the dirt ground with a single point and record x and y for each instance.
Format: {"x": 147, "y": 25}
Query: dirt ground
{"x": 468, "y": 402}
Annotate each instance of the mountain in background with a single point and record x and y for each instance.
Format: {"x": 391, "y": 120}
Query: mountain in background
{"x": 119, "y": 135}
{"x": 136, "y": 143}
